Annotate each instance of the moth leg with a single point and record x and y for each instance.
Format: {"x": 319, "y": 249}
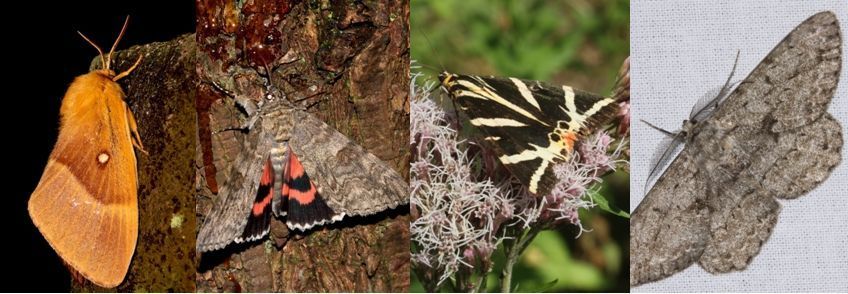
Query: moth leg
{"x": 310, "y": 105}
{"x": 136, "y": 138}
{"x": 248, "y": 106}
{"x": 245, "y": 127}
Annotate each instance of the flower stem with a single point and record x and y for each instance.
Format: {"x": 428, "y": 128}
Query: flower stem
{"x": 513, "y": 251}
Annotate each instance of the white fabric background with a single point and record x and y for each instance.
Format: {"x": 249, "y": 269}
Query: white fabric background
{"x": 682, "y": 50}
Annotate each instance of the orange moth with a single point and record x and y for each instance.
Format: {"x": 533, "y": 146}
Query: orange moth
{"x": 86, "y": 203}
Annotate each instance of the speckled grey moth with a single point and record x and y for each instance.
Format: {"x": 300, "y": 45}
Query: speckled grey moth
{"x": 297, "y": 167}
{"x": 771, "y": 137}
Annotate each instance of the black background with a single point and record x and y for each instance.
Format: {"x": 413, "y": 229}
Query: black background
{"x": 46, "y": 54}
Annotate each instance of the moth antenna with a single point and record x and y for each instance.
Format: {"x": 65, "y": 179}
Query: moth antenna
{"x": 222, "y": 89}
{"x": 721, "y": 94}
{"x": 128, "y": 71}
{"x": 268, "y": 75}
{"x": 429, "y": 67}
{"x": 431, "y": 48}
{"x": 298, "y": 100}
{"x": 120, "y": 35}
{"x": 727, "y": 85}
{"x": 623, "y": 71}
{"x": 659, "y": 128}
{"x": 103, "y": 63}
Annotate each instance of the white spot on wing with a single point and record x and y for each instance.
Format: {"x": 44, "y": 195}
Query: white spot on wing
{"x": 102, "y": 157}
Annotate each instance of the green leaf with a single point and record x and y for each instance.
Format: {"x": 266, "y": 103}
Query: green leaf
{"x": 545, "y": 287}
{"x": 604, "y": 204}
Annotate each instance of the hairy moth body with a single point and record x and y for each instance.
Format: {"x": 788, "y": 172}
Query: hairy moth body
{"x": 85, "y": 204}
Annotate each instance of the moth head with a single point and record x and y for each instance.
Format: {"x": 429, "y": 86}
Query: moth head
{"x": 688, "y": 125}
{"x": 106, "y": 60}
{"x": 447, "y": 79}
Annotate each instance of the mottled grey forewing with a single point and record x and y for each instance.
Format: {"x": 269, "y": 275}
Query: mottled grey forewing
{"x": 738, "y": 231}
{"x": 770, "y": 138}
{"x": 229, "y": 215}
{"x": 350, "y": 179}
{"x": 794, "y": 163}
{"x": 813, "y": 151}
{"x": 670, "y": 228}
{"x": 794, "y": 83}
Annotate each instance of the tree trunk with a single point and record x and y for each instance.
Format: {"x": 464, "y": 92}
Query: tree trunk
{"x": 355, "y": 55}
{"x": 161, "y": 95}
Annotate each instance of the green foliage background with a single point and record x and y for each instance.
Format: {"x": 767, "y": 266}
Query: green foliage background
{"x": 581, "y": 43}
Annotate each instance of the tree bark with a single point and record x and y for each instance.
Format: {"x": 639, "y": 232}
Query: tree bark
{"x": 355, "y": 55}
{"x": 161, "y": 95}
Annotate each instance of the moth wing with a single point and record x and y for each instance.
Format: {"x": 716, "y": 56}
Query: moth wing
{"x": 801, "y": 72}
{"x": 746, "y": 218}
{"x": 350, "y": 180}
{"x": 519, "y": 118}
{"x": 671, "y": 226}
{"x": 814, "y": 150}
{"x": 305, "y": 206}
{"x": 86, "y": 203}
{"x": 745, "y": 228}
{"x": 259, "y": 219}
{"x": 663, "y": 154}
{"x": 229, "y": 216}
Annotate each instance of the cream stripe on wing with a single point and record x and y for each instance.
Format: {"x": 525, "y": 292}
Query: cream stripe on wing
{"x": 598, "y": 106}
{"x": 525, "y": 92}
{"x": 569, "y": 99}
{"x": 497, "y": 122}
{"x": 577, "y": 120}
{"x": 483, "y": 93}
{"x": 536, "y": 177}
{"x": 525, "y": 155}
{"x": 547, "y": 154}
